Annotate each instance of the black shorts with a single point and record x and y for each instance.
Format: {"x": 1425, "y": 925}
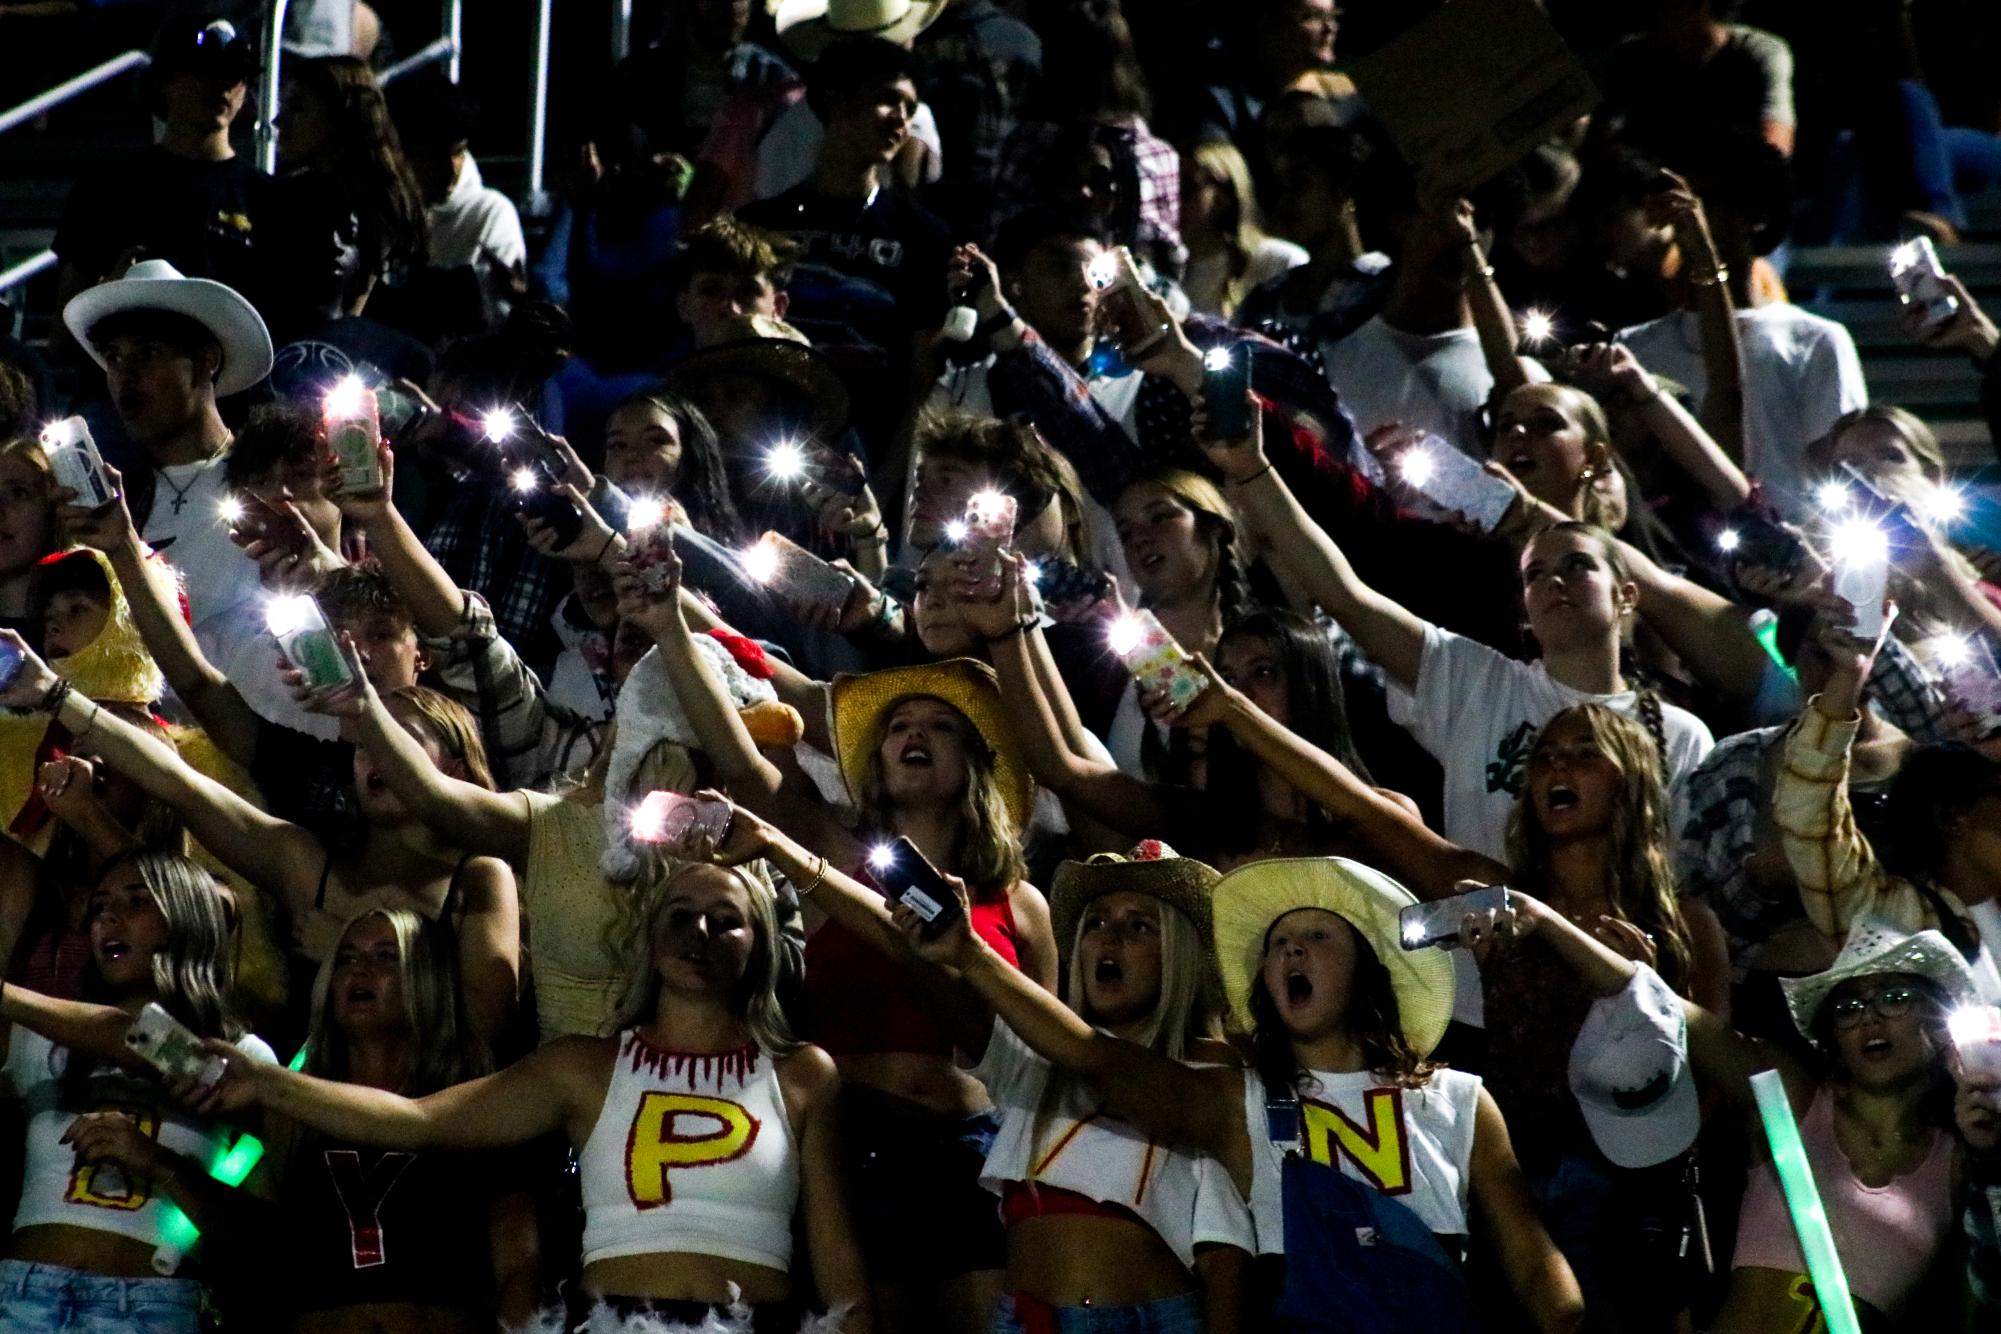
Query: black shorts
{"x": 913, "y": 1179}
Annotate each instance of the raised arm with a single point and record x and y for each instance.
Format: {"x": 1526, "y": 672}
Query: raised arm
{"x": 95, "y": 1030}
{"x": 1430, "y": 865}
{"x": 1162, "y": 1097}
{"x": 1499, "y": 341}
{"x": 1722, "y": 408}
{"x": 556, "y": 1087}
{"x": 469, "y": 816}
{"x": 217, "y": 705}
{"x": 489, "y": 936}
{"x": 435, "y": 602}
{"x": 1385, "y": 630}
{"x": 1697, "y": 453}
{"x": 265, "y": 850}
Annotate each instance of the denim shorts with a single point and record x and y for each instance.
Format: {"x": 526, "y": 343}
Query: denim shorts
{"x": 49, "y": 1299}
{"x": 1169, "y": 1315}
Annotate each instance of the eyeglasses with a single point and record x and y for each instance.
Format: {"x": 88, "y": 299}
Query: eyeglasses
{"x": 1890, "y": 1003}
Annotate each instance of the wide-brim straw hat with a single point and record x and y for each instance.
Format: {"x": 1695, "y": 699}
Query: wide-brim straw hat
{"x": 859, "y": 704}
{"x": 775, "y": 352}
{"x": 154, "y": 284}
{"x": 1248, "y": 900}
{"x": 1872, "y": 949}
{"x": 808, "y": 27}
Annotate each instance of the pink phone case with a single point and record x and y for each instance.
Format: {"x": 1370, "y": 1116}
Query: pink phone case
{"x": 1159, "y": 663}
{"x": 673, "y": 819}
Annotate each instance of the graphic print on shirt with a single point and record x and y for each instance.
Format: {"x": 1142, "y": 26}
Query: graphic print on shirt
{"x": 673, "y": 1130}
{"x": 107, "y": 1185}
{"x": 361, "y": 1196}
{"x": 1379, "y": 1150}
{"x": 1511, "y": 759}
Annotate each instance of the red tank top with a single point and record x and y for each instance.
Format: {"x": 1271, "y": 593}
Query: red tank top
{"x": 861, "y": 1004}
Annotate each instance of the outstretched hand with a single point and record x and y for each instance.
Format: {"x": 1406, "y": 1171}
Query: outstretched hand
{"x": 1240, "y": 458}
{"x": 339, "y": 701}
{"x": 954, "y": 946}
{"x": 109, "y": 527}
{"x": 30, "y": 682}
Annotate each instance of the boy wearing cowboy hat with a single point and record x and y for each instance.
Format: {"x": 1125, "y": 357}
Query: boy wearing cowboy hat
{"x": 170, "y": 347}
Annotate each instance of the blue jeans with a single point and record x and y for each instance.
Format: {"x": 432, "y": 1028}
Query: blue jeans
{"x": 1170, "y": 1315}
{"x": 49, "y": 1299}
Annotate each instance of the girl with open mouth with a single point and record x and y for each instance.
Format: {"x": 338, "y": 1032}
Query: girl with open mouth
{"x": 110, "y": 1151}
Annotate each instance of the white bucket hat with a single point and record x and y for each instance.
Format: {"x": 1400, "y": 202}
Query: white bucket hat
{"x": 1872, "y": 949}
{"x": 809, "y": 27}
{"x": 1629, "y": 1073}
{"x": 154, "y": 284}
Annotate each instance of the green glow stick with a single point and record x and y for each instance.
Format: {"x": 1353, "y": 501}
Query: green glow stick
{"x": 1823, "y": 1261}
{"x": 231, "y": 1168}
{"x": 1766, "y": 630}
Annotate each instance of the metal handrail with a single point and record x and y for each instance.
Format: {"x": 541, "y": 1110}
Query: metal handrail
{"x": 442, "y": 48}
{"x": 73, "y": 87}
{"x": 451, "y": 19}
{"x": 26, "y": 269}
{"x": 538, "y": 109}
{"x": 267, "y": 93}
{"x": 621, "y": 30}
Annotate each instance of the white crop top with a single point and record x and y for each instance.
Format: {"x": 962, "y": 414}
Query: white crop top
{"x": 1187, "y": 1198}
{"x": 55, "y": 1187}
{"x": 693, "y": 1154}
{"x": 1415, "y": 1145}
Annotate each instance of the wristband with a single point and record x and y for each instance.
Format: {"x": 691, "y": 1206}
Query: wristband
{"x": 1021, "y": 627}
{"x": 878, "y": 538}
{"x": 52, "y": 701}
{"x": 1246, "y": 481}
{"x": 610, "y": 538}
{"x": 1716, "y": 277}
{"x": 994, "y": 323}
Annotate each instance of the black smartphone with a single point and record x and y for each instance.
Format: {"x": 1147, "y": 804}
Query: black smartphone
{"x": 1756, "y": 540}
{"x": 842, "y": 472}
{"x": 1226, "y": 390}
{"x": 536, "y": 496}
{"x": 908, "y": 878}
{"x": 1060, "y": 581}
{"x": 397, "y": 411}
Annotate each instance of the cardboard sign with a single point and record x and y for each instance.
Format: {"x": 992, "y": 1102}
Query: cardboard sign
{"x": 1468, "y": 92}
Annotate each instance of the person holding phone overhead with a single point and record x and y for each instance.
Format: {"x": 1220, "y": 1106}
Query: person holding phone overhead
{"x": 107, "y": 1150}
{"x": 1105, "y": 1221}
{"x": 926, "y": 754}
{"x": 1339, "y": 1021}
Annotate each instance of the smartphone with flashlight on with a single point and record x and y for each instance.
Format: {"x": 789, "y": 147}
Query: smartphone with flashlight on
{"x": 1115, "y": 278}
{"x": 838, "y": 471}
{"x": 1226, "y": 391}
{"x": 1422, "y": 925}
{"x": 791, "y": 571}
{"x": 907, "y": 878}
{"x": 535, "y": 495}
{"x": 1453, "y": 484}
{"x": 1756, "y": 540}
{"x": 171, "y": 1047}
{"x": 980, "y": 538}
{"x": 1155, "y": 660}
{"x": 1976, "y": 1036}
{"x": 74, "y": 460}
{"x": 676, "y": 821}
{"x": 1919, "y": 278}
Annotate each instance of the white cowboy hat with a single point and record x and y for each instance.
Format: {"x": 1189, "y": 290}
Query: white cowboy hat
{"x": 809, "y": 27}
{"x": 1872, "y": 949}
{"x": 1629, "y": 1073}
{"x": 154, "y": 284}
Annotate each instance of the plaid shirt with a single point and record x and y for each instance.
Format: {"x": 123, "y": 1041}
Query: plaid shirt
{"x": 483, "y": 549}
{"x": 1024, "y": 178}
{"x": 1840, "y": 878}
{"x": 1732, "y": 787}
{"x": 975, "y": 65}
{"x": 531, "y": 741}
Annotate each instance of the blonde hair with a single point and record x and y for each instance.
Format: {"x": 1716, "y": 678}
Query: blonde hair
{"x": 30, "y": 451}
{"x": 987, "y": 852}
{"x": 1640, "y": 879}
{"x": 755, "y": 1000}
{"x": 453, "y": 727}
{"x": 193, "y": 971}
{"x": 1181, "y": 1011}
{"x": 1240, "y": 225}
{"x": 1917, "y": 436}
{"x": 448, "y": 1050}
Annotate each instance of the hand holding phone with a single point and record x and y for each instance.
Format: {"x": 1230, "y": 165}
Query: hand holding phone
{"x": 172, "y": 1048}
{"x": 909, "y": 879}
{"x": 793, "y": 572}
{"x": 1115, "y": 278}
{"x": 1155, "y": 660}
{"x": 677, "y": 821}
{"x": 1226, "y": 391}
{"x": 1422, "y": 925}
{"x": 1919, "y": 278}
{"x": 74, "y": 460}
{"x": 1453, "y": 484}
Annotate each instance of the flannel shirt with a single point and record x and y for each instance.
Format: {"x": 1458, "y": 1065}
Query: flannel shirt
{"x": 975, "y": 66}
{"x": 1024, "y": 178}
{"x": 531, "y": 741}
{"x": 1840, "y": 878}
{"x": 483, "y": 549}
{"x": 1728, "y": 790}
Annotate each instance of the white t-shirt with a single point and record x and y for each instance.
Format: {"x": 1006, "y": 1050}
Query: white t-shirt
{"x": 479, "y": 227}
{"x": 240, "y": 645}
{"x": 1478, "y": 712}
{"x": 55, "y": 1186}
{"x": 1801, "y": 373}
{"x": 1430, "y": 382}
{"x": 1073, "y": 1145}
{"x": 1209, "y": 275}
{"x": 1415, "y": 1145}
{"x": 186, "y": 523}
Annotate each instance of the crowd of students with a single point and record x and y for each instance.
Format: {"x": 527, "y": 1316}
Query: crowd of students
{"x": 1213, "y": 1016}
